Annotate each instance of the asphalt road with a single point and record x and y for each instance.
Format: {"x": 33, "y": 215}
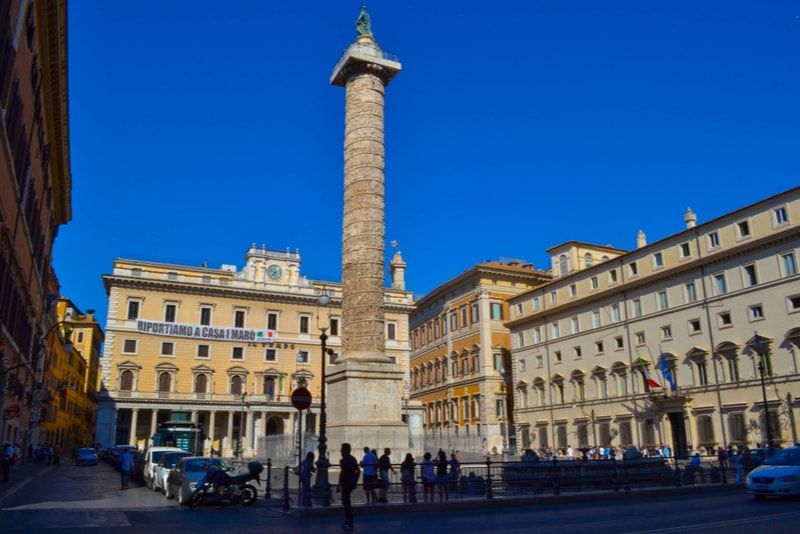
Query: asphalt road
{"x": 70, "y": 499}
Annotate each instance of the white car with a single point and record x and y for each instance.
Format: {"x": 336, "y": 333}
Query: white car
{"x": 778, "y": 476}
{"x": 164, "y": 466}
{"x": 151, "y": 458}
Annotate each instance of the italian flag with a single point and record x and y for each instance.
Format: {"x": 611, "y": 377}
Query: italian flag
{"x": 62, "y": 388}
{"x": 650, "y": 382}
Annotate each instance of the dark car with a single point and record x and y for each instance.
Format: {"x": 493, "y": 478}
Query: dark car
{"x": 85, "y": 456}
{"x": 188, "y": 471}
{"x": 116, "y": 454}
{"x": 137, "y": 471}
{"x": 165, "y": 464}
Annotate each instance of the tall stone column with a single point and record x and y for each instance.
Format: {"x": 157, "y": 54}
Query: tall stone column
{"x": 364, "y": 387}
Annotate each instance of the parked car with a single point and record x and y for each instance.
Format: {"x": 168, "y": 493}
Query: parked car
{"x": 137, "y": 471}
{"x": 116, "y": 453}
{"x": 85, "y": 456}
{"x": 151, "y": 458}
{"x": 188, "y": 471}
{"x": 779, "y": 476}
{"x": 165, "y": 464}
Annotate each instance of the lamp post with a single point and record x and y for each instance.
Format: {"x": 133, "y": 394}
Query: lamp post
{"x": 505, "y": 417}
{"x": 762, "y": 370}
{"x": 322, "y": 487}
{"x": 241, "y": 429}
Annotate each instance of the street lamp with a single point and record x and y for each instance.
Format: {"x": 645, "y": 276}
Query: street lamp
{"x": 505, "y": 417}
{"x": 241, "y": 429}
{"x": 322, "y": 487}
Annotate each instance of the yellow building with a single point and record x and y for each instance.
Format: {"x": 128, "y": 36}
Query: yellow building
{"x": 707, "y": 309}
{"x": 460, "y": 361}
{"x": 226, "y": 347}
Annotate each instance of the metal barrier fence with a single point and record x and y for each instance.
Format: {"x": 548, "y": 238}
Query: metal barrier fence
{"x": 490, "y": 479}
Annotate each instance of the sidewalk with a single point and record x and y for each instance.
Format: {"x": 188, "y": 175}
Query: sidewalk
{"x": 20, "y": 477}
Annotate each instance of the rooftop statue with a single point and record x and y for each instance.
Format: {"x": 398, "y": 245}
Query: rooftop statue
{"x": 363, "y": 26}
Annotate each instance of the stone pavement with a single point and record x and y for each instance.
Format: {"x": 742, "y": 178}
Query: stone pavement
{"x": 22, "y": 475}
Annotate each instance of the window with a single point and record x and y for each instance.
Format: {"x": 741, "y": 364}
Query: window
{"x": 780, "y": 216}
{"x": 272, "y": 321}
{"x": 588, "y": 261}
{"x": 637, "y": 308}
{"x": 535, "y": 303}
{"x": 133, "y": 309}
{"x": 573, "y": 290}
{"x": 743, "y": 229}
{"x": 203, "y": 351}
{"x": 520, "y": 309}
{"x": 612, "y": 276}
{"x": 691, "y": 292}
{"x": 391, "y": 330}
{"x": 474, "y": 311}
{"x": 497, "y": 311}
{"x": 593, "y": 282}
{"x": 618, "y": 343}
{"x": 167, "y": 348}
{"x": 702, "y": 372}
{"x": 633, "y": 269}
{"x": 520, "y": 339}
{"x": 305, "y": 324}
{"x": 788, "y": 264}
{"x": 794, "y": 303}
{"x": 539, "y": 361}
{"x": 663, "y": 300}
{"x": 750, "y": 278}
{"x": 686, "y": 250}
{"x": 666, "y": 332}
{"x": 164, "y": 382}
{"x": 575, "y": 325}
{"x": 537, "y": 335}
{"x": 725, "y": 319}
{"x": 713, "y": 240}
{"x": 598, "y": 347}
{"x": 694, "y": 326}
{"x": 302, "y": 357}
{"x": 553, "y": 297}
{"x": 557, "y": 355}
{"x": 129, "y": 346}
{"x": 126, "y": 380}
{"x": 170, "y": 311}
{"x": 271, "y": 355}
{"x": 238, "y": 319}
{"x": 577, "y": 352}
{"x": 562, "y": 265}
{"x": 640, "y": 338}
{"x": 237, "y": 353}
{"x": 738, "y": 430}
{"x": 200, "y": 383}
{"x": 464, "y": 321}
{"x": 756, "y": 312}
{"x": 334, "y": 326}
{"x": 719, "y": 284}
{"x": 733, "y": 369}
{"x": 453, "y": 322}
{"x": 615, "y": 313}
{"x": 236, "y": 386}
{"x": 205, "y": 315}
{"x": 522, "y": 365}
{"x": 555, "y": 331}
{"x": 596, "y": 323}
{"x": 658, "y": 260}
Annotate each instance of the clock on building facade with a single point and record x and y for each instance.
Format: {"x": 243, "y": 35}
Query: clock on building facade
{"x": 274, "y": 272}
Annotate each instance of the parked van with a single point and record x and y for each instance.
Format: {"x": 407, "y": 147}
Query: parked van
{"x": 151, "y": 458}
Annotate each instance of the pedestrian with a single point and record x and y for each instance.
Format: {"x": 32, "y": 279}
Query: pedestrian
{"x": 441, "y": 475}
{"x": 348, "y": 480}
{"x": 5, "y": 461}
{"x": 369, "y": 463}
{"x": 306, "y": 468}
{"x": 722, "y": 457}
{"x": 455, "y": 470}
{"x": 384, "y": 467}
{"x": 407, "y": 469}
{"x": 57, "y": 455}
{"x": 428, "y": 477}
{"x": 125, "y": 465}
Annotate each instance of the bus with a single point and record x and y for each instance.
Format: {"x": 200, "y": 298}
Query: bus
{"x": 180, "y": 432}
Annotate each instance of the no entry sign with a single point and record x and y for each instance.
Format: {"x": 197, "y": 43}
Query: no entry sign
{"x": 301, "y": 398}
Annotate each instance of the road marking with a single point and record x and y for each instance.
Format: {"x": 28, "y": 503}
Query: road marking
{"x": 703, "y": 526}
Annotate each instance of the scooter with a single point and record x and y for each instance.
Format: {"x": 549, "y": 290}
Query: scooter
{"x": 219, "y": 485}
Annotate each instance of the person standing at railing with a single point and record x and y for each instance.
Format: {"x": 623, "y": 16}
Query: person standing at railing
{"x": 384, "y": 467}
{"x": 407, "y": 469}
{"x": 428, "y": 477}
{"x": 441, "y": 475}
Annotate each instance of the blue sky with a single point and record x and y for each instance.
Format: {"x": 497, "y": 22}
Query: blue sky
{"x": 200, "y": 127}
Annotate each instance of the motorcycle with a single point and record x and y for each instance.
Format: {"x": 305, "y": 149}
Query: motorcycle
{"x": 219, "y": 485}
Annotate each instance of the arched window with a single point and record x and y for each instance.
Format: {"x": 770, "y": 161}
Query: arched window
{"x": 588, "y": 260}
{"x": 164, "y": 382}
{"x": 236, "y": 385}
{"x": 562, "y": 264}
{"x": 126, "y": 380}
{"x": 201, "y": 383}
